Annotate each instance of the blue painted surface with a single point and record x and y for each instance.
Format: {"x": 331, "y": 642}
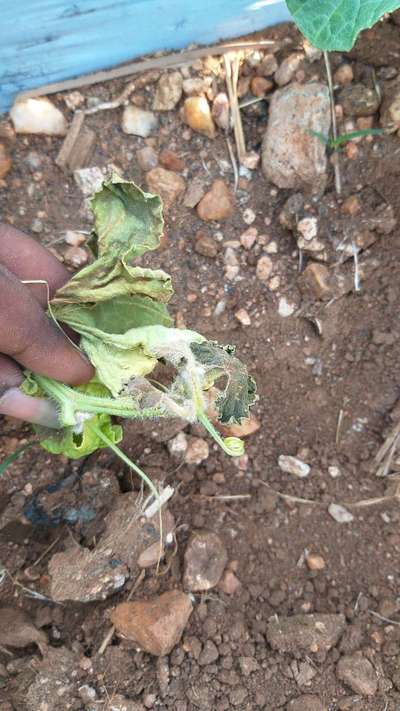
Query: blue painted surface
{"x": 43, "y": 41}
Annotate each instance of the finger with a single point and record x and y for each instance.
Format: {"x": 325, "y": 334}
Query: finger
{"x": 27, "y": 259}
{"x": 15, "y": 403}
{"x": 29, "y": 337}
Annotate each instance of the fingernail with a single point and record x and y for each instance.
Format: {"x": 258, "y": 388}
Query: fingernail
{"x": 14, "y": 403}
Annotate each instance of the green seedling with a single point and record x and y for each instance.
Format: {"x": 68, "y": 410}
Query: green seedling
{"x": 335, "y": 144}
{"x": 120, "y": 312}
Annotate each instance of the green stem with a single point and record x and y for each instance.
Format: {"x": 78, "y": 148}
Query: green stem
{"x": 72, "y": 401}
{"x": 230, "y": 445}
{"x": 124, "y": 458}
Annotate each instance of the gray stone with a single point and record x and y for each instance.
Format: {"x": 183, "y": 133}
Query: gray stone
{"x": 359, "y": 100}
{"x": 205, "y": 560}
{"x": 138, "y": 122}
{"x": 168, "y": 91}
{"x": 308, "y": 633}
{"x": 358, "y": 673}
{"x": 291, "y": 156}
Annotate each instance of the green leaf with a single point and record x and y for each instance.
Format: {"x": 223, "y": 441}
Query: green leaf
{"x": 240, "y": 390}
{"x": 334, "y": 25}
{"x": 128, "y": 221}
{"x": 80, "y": 441}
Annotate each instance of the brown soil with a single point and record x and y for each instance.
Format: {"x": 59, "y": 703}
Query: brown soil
{"x": 306, "y": 383}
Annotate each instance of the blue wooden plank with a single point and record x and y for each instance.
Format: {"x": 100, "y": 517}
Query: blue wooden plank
{"x": 43, "y": 41}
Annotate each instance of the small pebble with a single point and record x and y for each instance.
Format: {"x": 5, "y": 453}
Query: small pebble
{"x": 340, "y": 514}
{"x": 285, "y": 308}
{"x": 243, "y": 317}
{"x": 343, "y": 74}
{"x": 76, "y": 256}
{"x": 315, "y": 562}
{"x": 249, "y": 216}
{"x": 293, "y": 465}
{"x": 249, "y": 237}
{"x": 351, "y": 206}
{"x": 264, "y": 268}
{"x": 74, "y": 239}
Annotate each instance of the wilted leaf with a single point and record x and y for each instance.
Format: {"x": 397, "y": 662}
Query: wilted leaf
{"x": 240, "y": 390}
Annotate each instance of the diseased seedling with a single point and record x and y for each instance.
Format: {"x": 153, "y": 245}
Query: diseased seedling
{"x": 120, "y": 313}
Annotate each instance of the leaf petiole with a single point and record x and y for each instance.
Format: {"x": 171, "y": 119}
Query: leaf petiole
{"x": 230, "y": 445}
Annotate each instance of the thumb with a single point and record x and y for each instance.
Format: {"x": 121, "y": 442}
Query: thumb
{"x": 15, "y": 403}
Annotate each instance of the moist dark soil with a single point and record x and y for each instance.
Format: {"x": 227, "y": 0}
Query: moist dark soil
{"x": 326, "y": 397}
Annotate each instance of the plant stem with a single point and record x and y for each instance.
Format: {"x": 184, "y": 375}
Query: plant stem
{"x": 203, "y": 419}
{"x": 124, "y": 458}
{"x": 336, "y": 164}
{"x": 72, "y": 401}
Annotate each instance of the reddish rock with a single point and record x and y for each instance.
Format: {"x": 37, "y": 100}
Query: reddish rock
{"x": 167, "y": 184}
{"x": 205, "y": 245}
{"x": 147, "y": 158}
{"x": 261, "y": 86}
{"x": 157, "y": 624}
{"x": 217, "y": 203}
{"x": 171, "y": 161}
{"x": 5, "y": 161}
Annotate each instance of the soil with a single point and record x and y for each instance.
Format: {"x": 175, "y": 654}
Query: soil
{"x": 326, "y": 398}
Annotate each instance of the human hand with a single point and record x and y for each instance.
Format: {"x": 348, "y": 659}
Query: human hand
{"x": 28, "y": 338}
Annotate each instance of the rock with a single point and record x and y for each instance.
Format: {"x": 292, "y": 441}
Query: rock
{"x": 251, "y": 160}
{"x": 229, "y": 583}
{"x": 217, "y": 203}
{"x": 260, "y": 86}
{"x": 37, "y": 226}
{"x": 306, "y": 633}
{"x": 168, "y": 185}
{"x": 208, "y": 654}
{"x": 73, "y": 100}
{"x": 390, "y": 109}
{"x": 197, "y": 450}
{"x": 293, "y": 465}
{"x": 138, "y": 122}
{"x": 351, "y": 206}
{"x": 89, "y": 180}
{"x": 358, "y": 673}
{"x": 264, "y": 268}
{"x": 248, "y": 665}
{"x": 267, "y": 66}
{"x": 194, "y": 193}
{"x": 285, "y": 307}
{"x": 54, "y": 685}
{"x": 359, "y": 100}
{"x": 5, "y": 161}
{"x": 285, "y": 73}
{"x": 168, "y": 91}
{"x": 291, "y": 157}
{"x": 74, "y": 239}
{"x": 340, "y": 514}
{"x": 221, "y": 111}
{"x": 171, "y": 161}
{"x": 205, "y": 560}
{"x": 38, "y": 116}
{"x": 306, "y": 702}
{"x": 194, "y": 86}
{"x": 315, "y": 562}
{"x": 249, "y": 216}
{"x": 243, "y": 317}
{"x": 249, "y": 237}
{"x": 156, "y": 624}
{"x": 197, "y": 115}
{"x": 343, "y": 74}
{"x": 178, "y": 445}
{"x": 147, "y": 158}
{"x": 247, "y": 427}
{"x": 317, "y": 279}
{"x": 85, "y": 574}
{"x": 76, "y": 257}
{"x": 243, "y": 86}
{"x": 17, "y": 629}
{"x": 205, "y": 245}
